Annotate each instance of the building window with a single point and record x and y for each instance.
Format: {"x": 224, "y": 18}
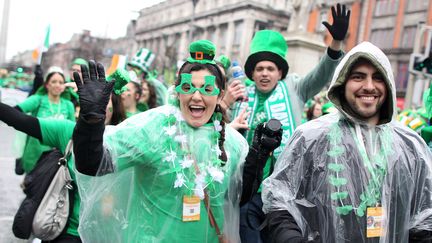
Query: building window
{"x": 383, "y": 38}
{"x": 417, "y": 5}
{"x": 176, "y": 43}
{"x": 386, "y": 7}
{"x": 402, "y": 76}
{"x": 223, "y": 37}
{"x": 198, "y": 33}
{"x": 259, "y": 25}
{"x": 408, "y": 36}
{"x": 150, "y": 45}
{"x": 211, "y": 34}
{"x": 238, "y": 32}
{"x": 156, "y": 44}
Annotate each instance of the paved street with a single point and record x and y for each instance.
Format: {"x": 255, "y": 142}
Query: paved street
{"x": 11, "y": 194}
{"x": 10, "y": 191}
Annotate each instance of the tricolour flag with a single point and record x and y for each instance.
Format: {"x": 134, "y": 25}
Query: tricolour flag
{"x": 117, "y": 61}
{"x": 37, "y": 53}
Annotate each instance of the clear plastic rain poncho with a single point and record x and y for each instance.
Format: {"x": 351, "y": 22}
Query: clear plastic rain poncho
{"x": 336, "y": 167}
{"x": 142, "y": 201}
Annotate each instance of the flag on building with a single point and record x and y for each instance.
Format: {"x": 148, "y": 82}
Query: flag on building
{"x": 37, "y": 53}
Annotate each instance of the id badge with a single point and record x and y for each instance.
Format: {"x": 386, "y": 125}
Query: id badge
{"x": 374, "y": 222}
{"x": 191, "y": 208}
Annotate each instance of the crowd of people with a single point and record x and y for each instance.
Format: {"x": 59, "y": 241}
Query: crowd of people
{"x": 275, "y": 158}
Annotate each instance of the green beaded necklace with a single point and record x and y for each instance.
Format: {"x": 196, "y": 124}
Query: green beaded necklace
{"x": 377, "y": 169}
{"x": 182, "y": 162}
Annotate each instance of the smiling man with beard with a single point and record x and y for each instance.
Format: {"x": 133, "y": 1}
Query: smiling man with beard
{"x": 344, "y": 168}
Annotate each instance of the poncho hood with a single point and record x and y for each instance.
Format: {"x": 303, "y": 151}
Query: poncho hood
{"x": 365, "y": 50}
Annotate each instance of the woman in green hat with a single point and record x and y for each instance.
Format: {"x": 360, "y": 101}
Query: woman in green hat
{"x": 170, "y": 174}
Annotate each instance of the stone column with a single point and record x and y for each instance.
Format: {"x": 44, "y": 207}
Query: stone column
{"x": 183, "y": 45}
{"x": 216, "y": 41}
{"x": 304, "y": 52}
{"x": 248, "y": 32}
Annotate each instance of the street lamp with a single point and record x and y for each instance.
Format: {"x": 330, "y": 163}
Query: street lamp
{"x": 192, "y": 24}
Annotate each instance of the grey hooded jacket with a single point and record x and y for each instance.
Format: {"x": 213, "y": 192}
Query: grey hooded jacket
{"x": 336, "y": 168}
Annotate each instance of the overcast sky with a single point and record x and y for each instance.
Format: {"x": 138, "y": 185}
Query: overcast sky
{"x": 28, "y": 20}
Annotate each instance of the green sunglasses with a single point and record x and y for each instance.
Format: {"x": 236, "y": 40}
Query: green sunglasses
{"x": 186, "y": 87}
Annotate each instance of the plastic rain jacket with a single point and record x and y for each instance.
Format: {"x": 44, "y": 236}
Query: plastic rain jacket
{"x": 142, "y": 201}
{"x": 326, "y": 178}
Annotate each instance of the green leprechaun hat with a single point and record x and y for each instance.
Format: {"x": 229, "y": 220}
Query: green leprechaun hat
{"x": 121, "y": 77}
{"x": 142, "y": 60}
{"x": 202, "y": 51}
{"x": 224, "y": 61}
{"x": 267, "y": 45}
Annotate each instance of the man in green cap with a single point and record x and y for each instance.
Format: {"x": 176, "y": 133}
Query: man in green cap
{"x": 76, "y": 67}
{"x": 278, "y": 95}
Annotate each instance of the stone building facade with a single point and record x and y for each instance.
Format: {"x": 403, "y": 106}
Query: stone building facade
{"x": 230, "y": 24}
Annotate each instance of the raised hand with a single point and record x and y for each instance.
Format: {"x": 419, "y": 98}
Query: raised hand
{"x": 235, "y": 91}
{"x": 38, "y": 79}
{"x": 339, "y": 28}
{"x": 240, "y": 122}
{"x": 94, "y": 91}
{"x": 38, "y": 72}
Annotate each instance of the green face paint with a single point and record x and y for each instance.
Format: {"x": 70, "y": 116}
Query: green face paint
{"x": 186, "y": 87}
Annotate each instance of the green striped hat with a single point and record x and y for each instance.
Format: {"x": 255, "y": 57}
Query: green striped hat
{"x": 143, "y": 59}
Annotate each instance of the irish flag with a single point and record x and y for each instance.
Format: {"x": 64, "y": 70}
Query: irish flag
{"x": 117, "y": 61}
{"x": 37, "y": 53}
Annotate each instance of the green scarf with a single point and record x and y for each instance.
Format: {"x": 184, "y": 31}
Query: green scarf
{"x": 277, "y": 106}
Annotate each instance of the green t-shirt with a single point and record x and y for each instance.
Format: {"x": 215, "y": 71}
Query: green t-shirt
{"x": 40, "y": 106}
{"x": 57, "y": 134}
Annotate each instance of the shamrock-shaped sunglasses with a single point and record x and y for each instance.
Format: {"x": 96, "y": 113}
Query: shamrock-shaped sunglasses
{"x": 186, "y": 87}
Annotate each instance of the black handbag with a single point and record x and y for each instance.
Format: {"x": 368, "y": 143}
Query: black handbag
{"x": 35, "y": 185}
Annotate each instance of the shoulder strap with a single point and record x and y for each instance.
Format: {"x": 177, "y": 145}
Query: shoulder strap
{"x": 67, "y": 153}
{"x": 213, "y": 223}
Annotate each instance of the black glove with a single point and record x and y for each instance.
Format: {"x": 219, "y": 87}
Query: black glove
{"x": 94, "y": 92}
{"x": 38, "y": 79}
{"x": 267, "y": 137}
{"x": 38, "y": 72}
{"x": 340, "y": 22}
